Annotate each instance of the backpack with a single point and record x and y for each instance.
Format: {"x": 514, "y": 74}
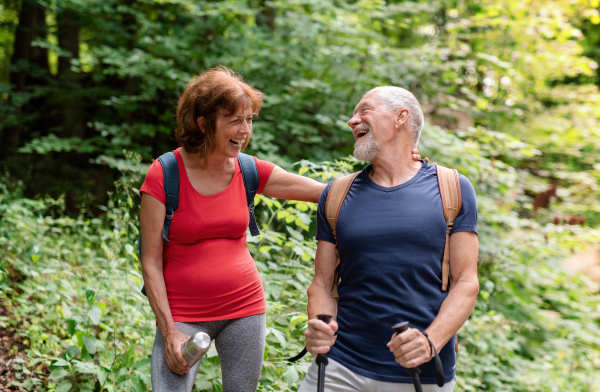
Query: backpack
{"x": 171, "y": 186}
{"x": 449, "y": 185}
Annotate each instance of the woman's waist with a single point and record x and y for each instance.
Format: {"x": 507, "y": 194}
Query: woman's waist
{"x": 214, "y": 272}
{"x": 206, "y": 251}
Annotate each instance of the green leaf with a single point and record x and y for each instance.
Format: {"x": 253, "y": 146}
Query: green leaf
{"x": 86, "y": 367}
{"x": 72, "y": 351}
{"x": 90, "y": 343}
{"x": 138, "y": 385}
{"x": 295, "y": 233}
{"x": 102, "y": 374}
{"x": 58, "y": 374}
{"x": 290, "y": 375}
{"x": 60, "y": 362}
{"x": 64, "y": 386}
{"x": 95, "y": 314}
{"x": 143, "y": 364}
{"x": 130, "y": 356}
{"x": 105, "y": 327}
{"x": 71, "y": 327}
{"x": 90, "y": 295}
{"x": 279, "y": 336}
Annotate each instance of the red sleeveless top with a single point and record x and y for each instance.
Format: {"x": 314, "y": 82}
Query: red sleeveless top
{"x": 209, "y": 273}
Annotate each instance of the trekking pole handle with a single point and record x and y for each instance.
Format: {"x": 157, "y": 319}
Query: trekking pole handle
{"x": 399, "y": 328}
{"x": 414, "y": 372}
{"x": 326, "y": 318}
{"x": 322, "y": 360}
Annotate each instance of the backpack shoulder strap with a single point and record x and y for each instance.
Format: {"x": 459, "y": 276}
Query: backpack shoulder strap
{"x": 335, "y": 197}
{"x": 170, "y": 168}
{"x": 333, "y": 203}
{"x": 171, "y": 185}
{"x": 250, "y": 176}
{"x": 449, "y": 185}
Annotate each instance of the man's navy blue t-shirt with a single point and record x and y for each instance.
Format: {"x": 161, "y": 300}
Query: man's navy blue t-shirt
{"x": 391, "y": 246}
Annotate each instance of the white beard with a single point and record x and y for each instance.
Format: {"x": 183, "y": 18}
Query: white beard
{"x": 366, "y": 148}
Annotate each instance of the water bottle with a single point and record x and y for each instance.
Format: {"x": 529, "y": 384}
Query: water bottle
{"x": 195, "y": 347}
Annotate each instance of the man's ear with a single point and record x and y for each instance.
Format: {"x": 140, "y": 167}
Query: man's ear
{"x": 402, "y": 117}
{"x": 200, "y": 121}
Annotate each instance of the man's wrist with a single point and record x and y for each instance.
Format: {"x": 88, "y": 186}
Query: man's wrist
{"x": 432, "y": 349}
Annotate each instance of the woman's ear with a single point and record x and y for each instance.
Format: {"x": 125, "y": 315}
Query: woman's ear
{"x": 200, "y": 121}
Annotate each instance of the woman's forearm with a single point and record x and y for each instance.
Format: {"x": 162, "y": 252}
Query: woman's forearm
{"x": 290, "y": 186}
{"x": 157, "y": 296}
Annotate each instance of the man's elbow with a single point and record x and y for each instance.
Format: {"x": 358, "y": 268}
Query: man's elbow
{"x": 471, "y": 291}
{"x": 475, "y": 287}
{"x": 469, "y": 287}
{"x": 317, "y": 289}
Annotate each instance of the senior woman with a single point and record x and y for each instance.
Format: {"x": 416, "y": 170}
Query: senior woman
{"x": 204, "y": 279}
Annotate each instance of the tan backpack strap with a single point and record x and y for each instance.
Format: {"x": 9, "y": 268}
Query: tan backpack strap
{"x": 449, "y": 185}
{"x": 335, "y": 197}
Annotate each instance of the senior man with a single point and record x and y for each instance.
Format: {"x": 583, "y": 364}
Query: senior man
{"x": 390, "y": 236}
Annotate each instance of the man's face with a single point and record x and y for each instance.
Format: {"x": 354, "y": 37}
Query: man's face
{"x": 370, "y": 121}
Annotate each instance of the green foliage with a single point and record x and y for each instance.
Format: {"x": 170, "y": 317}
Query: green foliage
{"x": 510, "y": 96}
{"x": 73, "y": 288}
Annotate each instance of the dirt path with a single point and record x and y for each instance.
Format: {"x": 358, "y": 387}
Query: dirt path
{"x": 12, "y": 346}
{"x": 8, "y": 340}
{"x": 586, "y": 262}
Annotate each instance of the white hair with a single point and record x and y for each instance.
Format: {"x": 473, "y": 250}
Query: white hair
{"x": 394, "y": 98}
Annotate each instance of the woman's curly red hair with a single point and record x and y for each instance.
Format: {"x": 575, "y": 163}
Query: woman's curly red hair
{"x": 215, "y": 92}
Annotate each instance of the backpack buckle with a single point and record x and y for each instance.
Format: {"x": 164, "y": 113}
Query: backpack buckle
{"x": 170, "y": 216}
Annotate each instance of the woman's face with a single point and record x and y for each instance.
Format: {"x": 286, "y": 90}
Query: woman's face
{"x": 233, "y": 132}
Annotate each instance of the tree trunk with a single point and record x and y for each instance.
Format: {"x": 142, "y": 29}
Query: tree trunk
{"x": 72, "y": 119}
{"x": 32, "y": 25}
{"x": 29, "y": 67}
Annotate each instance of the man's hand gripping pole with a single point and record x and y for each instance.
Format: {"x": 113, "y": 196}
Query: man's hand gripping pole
{"x": 414, "y": 372}
{"x": 322, "y": 360}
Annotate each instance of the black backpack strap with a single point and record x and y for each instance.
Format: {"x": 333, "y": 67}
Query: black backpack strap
{"x": 250, "y": 176}
{"x": 171, "y": 185}
{"x": 170, "y": 168}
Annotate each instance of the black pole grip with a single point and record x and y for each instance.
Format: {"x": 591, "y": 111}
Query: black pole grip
{"x": 322, "y": 360}
{"x": 325, "y": 317}
{"x": 414, "y": 372}
{"x": 399, "y": 328}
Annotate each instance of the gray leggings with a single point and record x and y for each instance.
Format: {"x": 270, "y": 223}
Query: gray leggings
{"x": 240, "y": 344}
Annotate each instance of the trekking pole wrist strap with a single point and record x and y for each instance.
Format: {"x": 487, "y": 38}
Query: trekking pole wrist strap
{"x": 439, "y": 369}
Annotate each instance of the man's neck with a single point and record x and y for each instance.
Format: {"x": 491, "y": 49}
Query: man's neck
{"x": 393, "y": 168}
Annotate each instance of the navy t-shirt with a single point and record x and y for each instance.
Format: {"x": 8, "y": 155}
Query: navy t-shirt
{"x": 391, "y": 246}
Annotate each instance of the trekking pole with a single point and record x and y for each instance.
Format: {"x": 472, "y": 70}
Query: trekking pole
{"x": 414, "y": 372}
{"x": 322, "y": 360}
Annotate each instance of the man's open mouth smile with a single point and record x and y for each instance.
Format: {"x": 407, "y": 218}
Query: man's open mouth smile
{"x": 361, "y": 131}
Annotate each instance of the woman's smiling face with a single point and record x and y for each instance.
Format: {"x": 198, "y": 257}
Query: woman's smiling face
{"x": 233, "y": 132}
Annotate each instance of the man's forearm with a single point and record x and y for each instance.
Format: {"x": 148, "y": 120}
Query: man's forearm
{"x": 455, "y": 310}
{"x": 320, "y": 301}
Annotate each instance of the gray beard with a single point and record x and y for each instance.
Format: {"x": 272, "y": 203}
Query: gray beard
{"x": 367, "y": 149}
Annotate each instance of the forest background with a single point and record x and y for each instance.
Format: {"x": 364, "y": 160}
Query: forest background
{"x": 87, "y": 96}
